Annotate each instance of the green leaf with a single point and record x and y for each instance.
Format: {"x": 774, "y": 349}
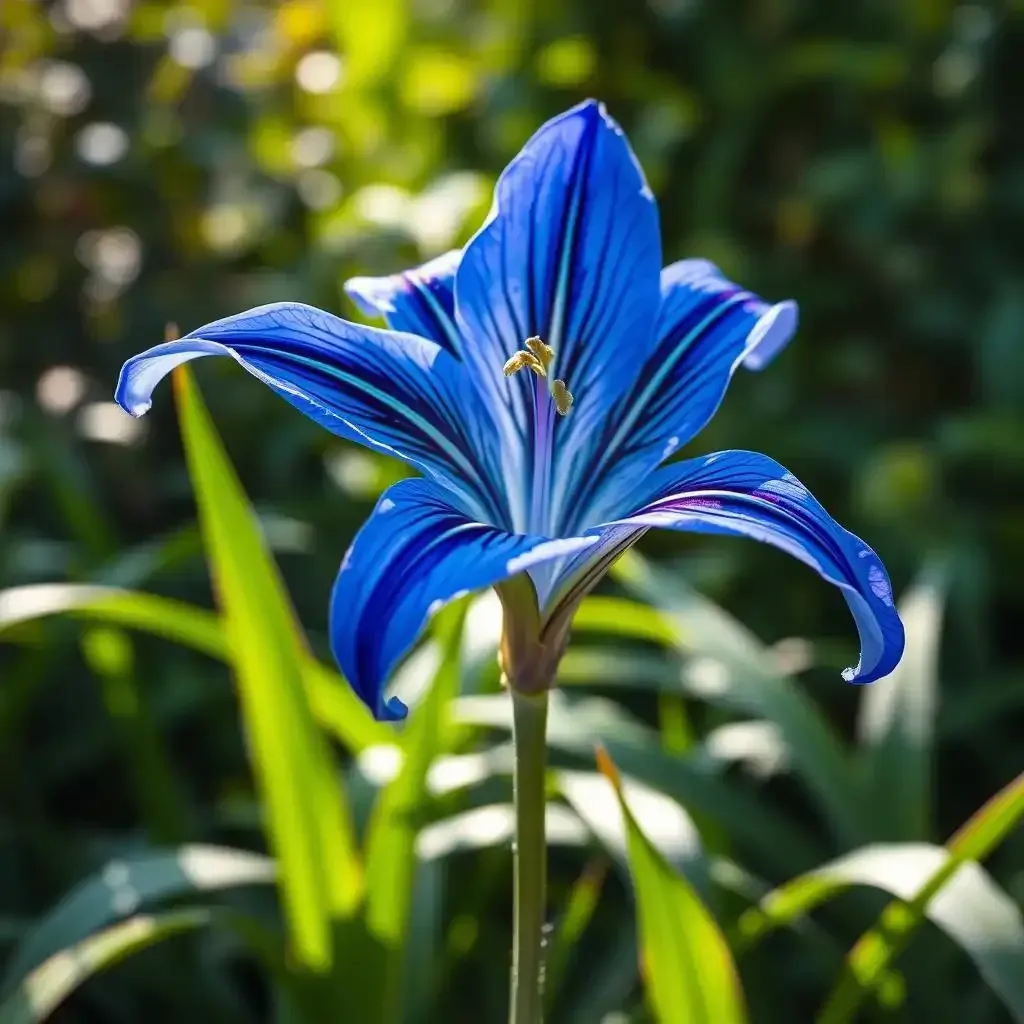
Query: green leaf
{"x": 53, "y": 981}
{"x": 396, "y": 819}
{"x": 897, "y": 722}
{"x": 333, "y": 702}
{"x": 991, "y": 935}
{"x": 685, "y": 961}
{"x": 667, "y": 826}
{"x": 616, "y": 616}
{"x": 576, "y": 726}
{"x": 900, "y": 869}
{"x": 128, "y": 884}
{"x": 164, "y": 810}
{"x": 753, "y": 683}
{"x": 575, "y": 917}
{"x": 308, "y": 832}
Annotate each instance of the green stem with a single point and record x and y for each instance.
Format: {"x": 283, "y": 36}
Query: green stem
{"x": 529, "y": 719}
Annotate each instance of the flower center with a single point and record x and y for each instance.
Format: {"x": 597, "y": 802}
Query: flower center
{"x": 539, "y": 357}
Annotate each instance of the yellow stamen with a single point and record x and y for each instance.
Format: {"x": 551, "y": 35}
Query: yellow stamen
{"x": 562, "y": 396}
{"x": 171, "y": 332}
{"x": 523, "y": 360}
{"x": 545, "y": 353}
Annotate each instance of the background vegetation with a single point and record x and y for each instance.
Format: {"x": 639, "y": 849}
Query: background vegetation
{"x": 164, "y": 162}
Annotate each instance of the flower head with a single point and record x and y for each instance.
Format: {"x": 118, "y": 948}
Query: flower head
{"x": 539, "y": 379}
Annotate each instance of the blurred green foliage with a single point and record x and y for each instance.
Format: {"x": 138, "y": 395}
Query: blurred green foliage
{"x": 169, "y": 162}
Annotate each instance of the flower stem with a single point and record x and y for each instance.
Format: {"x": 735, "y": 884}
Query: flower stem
{"x": 529, "y": 720}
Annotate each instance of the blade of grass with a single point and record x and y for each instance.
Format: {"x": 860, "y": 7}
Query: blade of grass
{"x": 573, "y": 922}
{"x": 685, "y": 961}
{"x": 127, "y": 885}
{"x": 897, "y": 723}
{"x": 617, "y": 616}
{"x": 754, "y": 685}
{"x": 319, "y": 866}
{"x": 575, "y": 727}
{"x": 877, "y": 948}
{"x": 161, "y": 802}
{"x": 53, "y": 981}
{"x": 334, "y": 703}
{"x": 49, "y": 984}
{"x": 395, "y": 820}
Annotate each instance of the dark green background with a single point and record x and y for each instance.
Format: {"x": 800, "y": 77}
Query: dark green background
{"x": 864, "y": 158}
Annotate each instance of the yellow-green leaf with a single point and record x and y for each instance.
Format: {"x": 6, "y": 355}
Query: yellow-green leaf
{"x": 870, "y": 959}
{"x": 333, "y": 702}
{"x": 395, "y": 824}
{"x": 53, "y": 981}
{"x": 686, "y": 963}
{"x": 308, "y": 831}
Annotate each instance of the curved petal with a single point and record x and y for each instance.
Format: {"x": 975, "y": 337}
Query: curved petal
{"x": 744, "y": 493}
{"x": 570, "y": 252}
{"x": 419, "y": 301}
{"x": 707, "y": 328}
{"x": 395, "y": 392}
{"x": 415, "y": 553}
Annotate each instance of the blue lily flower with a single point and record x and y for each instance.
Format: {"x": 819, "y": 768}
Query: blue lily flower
{"x": 538, "y": 379}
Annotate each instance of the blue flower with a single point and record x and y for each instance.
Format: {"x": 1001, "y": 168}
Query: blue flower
{"x": 538, "y": 379}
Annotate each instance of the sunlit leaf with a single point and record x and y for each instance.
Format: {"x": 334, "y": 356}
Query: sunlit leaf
{"x": 394, "y": 824}
{"x": 574, "y": 727}
{"x": 53, "y": 981}
{"x": 990, "y": 932}
{"x": 685, "y": 961}
{"x": 333, "y": 702}
{"x": 319, "y": 867}
{"x": 897, "y": 721}
{"x": 130, "y": 884}
{"x": 750, "y": 681}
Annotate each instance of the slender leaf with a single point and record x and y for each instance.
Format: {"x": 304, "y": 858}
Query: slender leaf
{"x": 686, "y": 963}
{"x": 334, "y": 703}
{"x": 576, "y": 726}
{"x": 394, "y": 824}
{"x": 127, "y": 885}
{"x": 989, "y": 939}
{"x": 667, "y": 826}
{"x": 753, "y": 683}
{"x": 319, "y": 867}
{"x": 494, "y": 825}
{"x": 164, "y": 809}
{"x": 55, "y": 979}
{"x": 897, "y": 722}
{"x": 615, "y": 616}
{"x": 573, "y": 922}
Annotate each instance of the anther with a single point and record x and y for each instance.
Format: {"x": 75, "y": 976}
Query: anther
{"x": 544, "y": 353}
{"x": 523, "y": 360}
{"x": 562, "y": 396}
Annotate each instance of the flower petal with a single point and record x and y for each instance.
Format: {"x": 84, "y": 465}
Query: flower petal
{"x": 391, "y": 391}
{"x": 707, "y": 327}
{"x": 570, "y": 253}
{"x": 744, "y": 493}
{"x": 420, "y": 301}
{"x": 415, "y": 553}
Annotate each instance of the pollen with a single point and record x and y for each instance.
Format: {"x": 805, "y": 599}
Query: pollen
{"x": 542, "y": 352}
{"x": 524, "y": 360}
{"x": 539, "y": 357}
{"x": 562, "y": 396}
